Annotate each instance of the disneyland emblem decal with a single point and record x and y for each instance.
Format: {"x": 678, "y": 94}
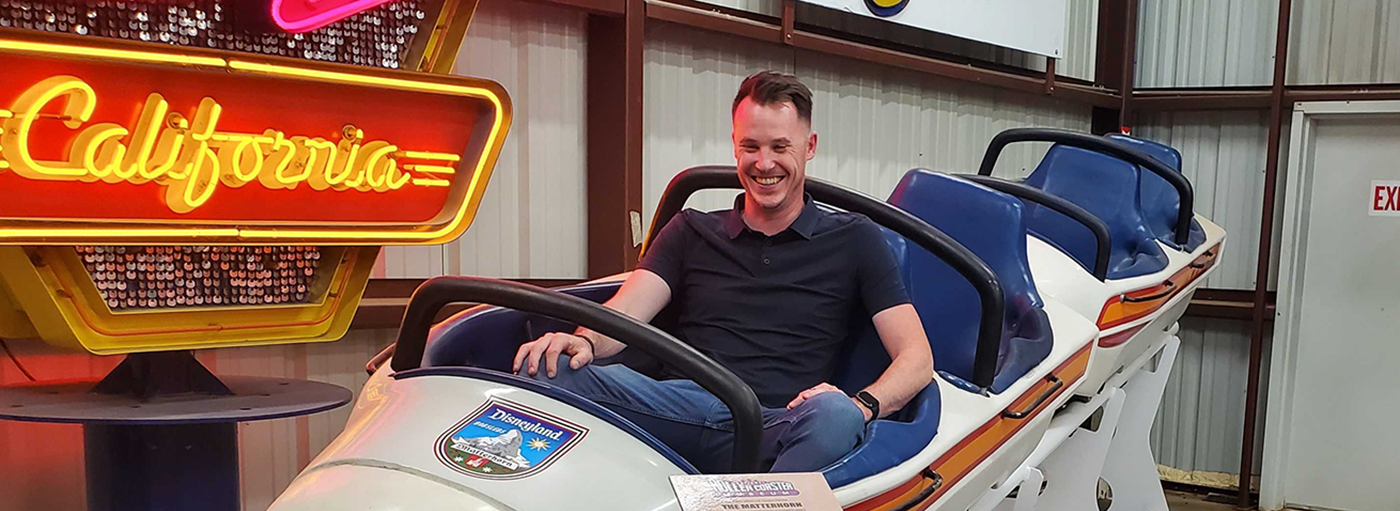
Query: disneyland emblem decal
{"x": 505, "y": 440}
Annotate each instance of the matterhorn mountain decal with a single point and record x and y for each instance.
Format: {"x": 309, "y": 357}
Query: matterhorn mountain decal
{"x": 504, "y": 449}
{"x": 506, "y": 440}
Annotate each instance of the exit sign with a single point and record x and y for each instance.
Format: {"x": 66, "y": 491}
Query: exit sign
{"x": 1384, "y": 198}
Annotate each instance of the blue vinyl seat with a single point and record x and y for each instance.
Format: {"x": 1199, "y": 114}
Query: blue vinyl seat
{"x": 1108, "y": 188}
{"x": 989, "y": 224}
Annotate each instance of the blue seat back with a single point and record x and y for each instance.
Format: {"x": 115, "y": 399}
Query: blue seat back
{"x": 1108, "y": 188}
{"x": 1160, "y": 201}
{"x": 991, "y": 225}
{"x": 487, "y": 337}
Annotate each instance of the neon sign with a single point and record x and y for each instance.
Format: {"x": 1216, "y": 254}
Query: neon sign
{"x": 146, "y": 144}
{"x": 304, "y": 15}
{"x": 191, "y": 159}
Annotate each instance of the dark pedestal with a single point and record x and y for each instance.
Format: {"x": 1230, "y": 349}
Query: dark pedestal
{"x": 162, "y": 468}
{"x": 161, "y": 434}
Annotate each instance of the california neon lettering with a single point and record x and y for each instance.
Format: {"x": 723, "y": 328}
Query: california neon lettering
{"x": 191, "y": 158}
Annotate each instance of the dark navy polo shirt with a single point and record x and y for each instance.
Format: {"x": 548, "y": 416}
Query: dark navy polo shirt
{"x": 775, "y": 310}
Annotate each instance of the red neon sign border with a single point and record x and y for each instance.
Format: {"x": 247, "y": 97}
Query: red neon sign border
{"x": 336, "y": 10}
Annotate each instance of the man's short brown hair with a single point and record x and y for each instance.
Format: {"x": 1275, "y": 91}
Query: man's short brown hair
{"x": 769, "y": 87}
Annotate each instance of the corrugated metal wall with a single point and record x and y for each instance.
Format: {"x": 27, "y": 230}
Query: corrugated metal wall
{"x": 1206, "y": 43}
{"x": 1347, "y": 41}
{"x": 1211, "y": 43}
{"x": 532, "y": 222}
{"x": 1199, "y": 425}
{"x": 1081, "y": 34}
{"x": 873, "y": 122}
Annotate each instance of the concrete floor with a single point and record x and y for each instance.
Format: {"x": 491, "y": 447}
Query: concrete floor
{"x": 1178, "y": 501}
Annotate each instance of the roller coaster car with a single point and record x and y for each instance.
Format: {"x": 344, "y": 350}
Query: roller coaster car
{"x": 445, "y": 426}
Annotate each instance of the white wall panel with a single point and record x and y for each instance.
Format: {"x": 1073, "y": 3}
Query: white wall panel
{"x": 1190, "y": 43}
{"x": 1206, "y": 43}
{"x": 1349, "y": 41}
{"x": 532, "y": 221}
{"x": 690, "y": 77}
{"x": 873, "y": 122}
{"x": 1081, "y": 40}
{"x": 878, "y": 122}
{"x": 772, "y": 8}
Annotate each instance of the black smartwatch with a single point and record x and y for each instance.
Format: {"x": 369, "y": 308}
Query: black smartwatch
{"x": 870, "y": 402}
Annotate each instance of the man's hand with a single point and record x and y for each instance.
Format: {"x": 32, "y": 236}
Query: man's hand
{"x": 550, "y": 346}
{"x": 825, "y": 387}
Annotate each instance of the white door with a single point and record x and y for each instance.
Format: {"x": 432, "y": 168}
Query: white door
{"x": 1333, "y": 424}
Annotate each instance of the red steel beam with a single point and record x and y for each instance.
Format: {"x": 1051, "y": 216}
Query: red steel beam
{"x": 1261, "y": 275}
{"x": 1129, "y": 70}
{"x": 614, "y": 160}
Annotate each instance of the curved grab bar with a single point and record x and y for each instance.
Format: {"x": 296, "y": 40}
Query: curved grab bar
{"x": 439, "y": 292}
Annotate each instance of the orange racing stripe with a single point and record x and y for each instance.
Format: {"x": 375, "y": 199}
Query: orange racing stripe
{"x": 1133, "y": 305}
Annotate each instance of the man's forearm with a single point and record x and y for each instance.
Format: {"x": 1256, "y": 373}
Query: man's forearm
{"x": 905, "y": 377}
{"x": 641, "y": 296}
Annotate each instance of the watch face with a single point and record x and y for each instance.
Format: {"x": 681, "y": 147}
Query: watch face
{"x": 868, "y": 399}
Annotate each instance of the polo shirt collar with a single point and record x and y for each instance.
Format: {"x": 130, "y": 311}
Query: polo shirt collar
{"x": 805, "y": 223}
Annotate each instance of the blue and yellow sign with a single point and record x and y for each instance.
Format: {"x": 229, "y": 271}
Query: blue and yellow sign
{"x": 886, "y": 8}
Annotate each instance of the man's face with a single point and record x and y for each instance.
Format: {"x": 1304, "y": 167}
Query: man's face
{"x": 772, "y": 145}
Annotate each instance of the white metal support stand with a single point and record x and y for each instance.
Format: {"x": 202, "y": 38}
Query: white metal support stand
{"x": 1130, "y": 468}
{"x": 1072, "y": 471}
{"x": 1071, "y": 459}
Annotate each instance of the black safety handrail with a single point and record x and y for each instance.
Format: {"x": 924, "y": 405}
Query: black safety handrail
{"x": 1106, "y": 146}
{"x": 942, "y": 246}
{"x": 1102, "y": 240}
{"x": 440, "y": 292}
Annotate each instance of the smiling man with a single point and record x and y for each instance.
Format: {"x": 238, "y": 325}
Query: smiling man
{"x": 769, "y": 290}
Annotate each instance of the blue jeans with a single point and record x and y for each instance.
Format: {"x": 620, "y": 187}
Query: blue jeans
{"x": 699, "y": 427}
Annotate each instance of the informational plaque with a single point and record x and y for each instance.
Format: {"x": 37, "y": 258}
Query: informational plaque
{"x": 806, "y": 491}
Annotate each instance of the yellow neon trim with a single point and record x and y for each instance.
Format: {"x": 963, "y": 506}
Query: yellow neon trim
{"x": 424, "y": 181}
{"x": 6, "y": 114}
{"x": 87, "y": 51}
{"x": 420, "y": 155}
{"x": 431, "y": 169}
{"x": 142, "y": 234}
